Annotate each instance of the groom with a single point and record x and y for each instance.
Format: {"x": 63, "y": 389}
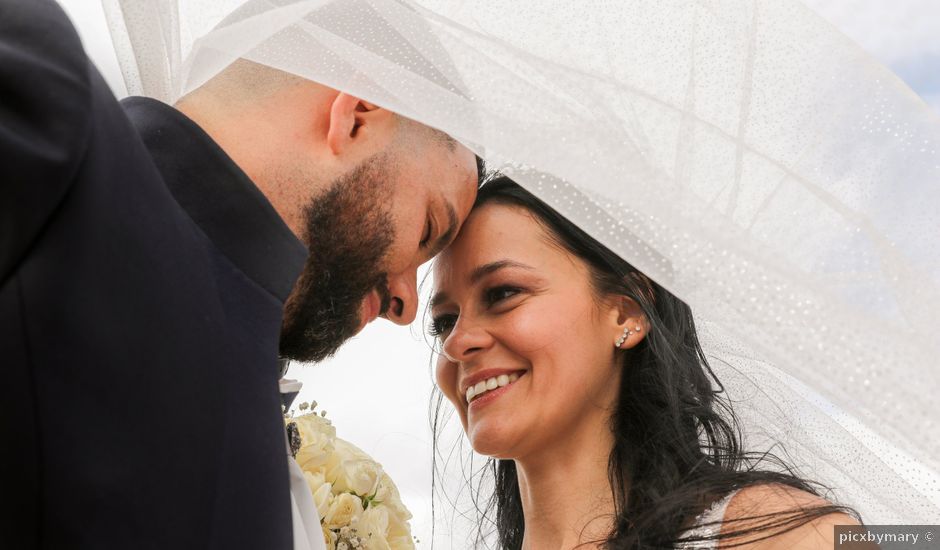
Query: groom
{"x": 155, "y": 262}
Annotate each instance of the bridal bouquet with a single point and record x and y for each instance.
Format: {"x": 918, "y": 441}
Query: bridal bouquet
{"x": 359, "y": 505}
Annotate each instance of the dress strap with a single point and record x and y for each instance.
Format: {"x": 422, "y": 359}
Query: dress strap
{"x": 713, "y": 515}
{"x": 716, "y": 512}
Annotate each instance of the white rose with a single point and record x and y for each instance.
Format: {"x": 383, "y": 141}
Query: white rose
{"x": 377, "y": 542}
{"x": 323, "y": 498}
{"x": 387, "y": 494}
{"x": 315, "y": 479}
{"x": 333, "y": 465}
{"x": 344, "y": 508}
{"x": 359, "y": 476}
{"x": 399, "y": 534}
{"x": 374, "y": 521}
{"x": 401, "y": 543}
{"x": 349, "y": 469}
{"x": 317, "y": 441}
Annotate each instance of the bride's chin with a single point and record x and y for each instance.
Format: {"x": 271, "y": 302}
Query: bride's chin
{"x": 492, "y": 441}
{"x": 492, "y": 451}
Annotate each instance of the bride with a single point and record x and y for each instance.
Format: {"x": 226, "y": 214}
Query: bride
{"x": 586, "y": 382}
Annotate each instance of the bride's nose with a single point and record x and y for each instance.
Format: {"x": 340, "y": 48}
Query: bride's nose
{"x": 403, "y": 294}
{"x": 465, "y": 341}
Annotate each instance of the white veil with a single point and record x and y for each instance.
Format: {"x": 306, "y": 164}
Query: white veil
{"x": 743, "y": 153}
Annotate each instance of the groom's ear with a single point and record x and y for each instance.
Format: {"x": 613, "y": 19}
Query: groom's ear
{"x": 356, "y": 123}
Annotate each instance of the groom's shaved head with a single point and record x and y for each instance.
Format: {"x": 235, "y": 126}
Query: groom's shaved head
{"x": 245, "y": 83}
{"x": 246, "y": 80}
{"x": 372, "y": 194}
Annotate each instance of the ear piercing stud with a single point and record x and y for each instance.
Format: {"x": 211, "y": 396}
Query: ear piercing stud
{"x": 626, "y": 334}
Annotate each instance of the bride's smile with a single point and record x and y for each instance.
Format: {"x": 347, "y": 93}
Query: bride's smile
{"x": 522, "y": 335}
{"x": 489, "y": 383}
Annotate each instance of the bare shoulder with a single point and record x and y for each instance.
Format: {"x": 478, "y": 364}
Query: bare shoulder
{"x": 772, "y": 498}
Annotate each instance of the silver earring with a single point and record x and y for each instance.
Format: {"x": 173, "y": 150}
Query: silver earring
{"x": 623, "y": 338}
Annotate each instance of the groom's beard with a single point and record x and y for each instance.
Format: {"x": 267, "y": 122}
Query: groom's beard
{"x": 349, "y": 231}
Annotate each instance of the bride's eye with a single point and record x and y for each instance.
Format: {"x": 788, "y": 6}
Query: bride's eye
{"x": 499, "y": 293}
{"x": 441, "y": 325}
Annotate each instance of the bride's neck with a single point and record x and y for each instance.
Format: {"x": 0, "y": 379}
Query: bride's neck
{"x": 565, "y": 491}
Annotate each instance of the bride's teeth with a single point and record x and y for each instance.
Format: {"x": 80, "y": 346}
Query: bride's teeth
{"x": 490, "y": 384}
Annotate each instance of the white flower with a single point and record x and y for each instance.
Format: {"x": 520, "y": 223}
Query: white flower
{"x": 387, "y": 494}
{"x": 323, "y": 498}
{"x": 358, "y": 476}
{"x": 350, "y": 469}
{"x": 399, "y": 534}
{"x": 359, "y": 504}
{"x": 374, "y": 521}
{"x": 317, "y": 441}
{"x": 377, "y": 542}
{"x": 344, "y": 509}
{"x": 316, "y": 478}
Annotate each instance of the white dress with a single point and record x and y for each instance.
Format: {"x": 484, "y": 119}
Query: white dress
{"x": 701, "y": 527}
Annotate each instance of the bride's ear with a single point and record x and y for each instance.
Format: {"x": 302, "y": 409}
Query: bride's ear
{"x": 632, "y": 324}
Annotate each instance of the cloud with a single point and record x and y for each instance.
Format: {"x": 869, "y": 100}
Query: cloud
{"x": 922, "y": 73}
{"x": 904, "y": 36}
{"x": 890, "y": 31}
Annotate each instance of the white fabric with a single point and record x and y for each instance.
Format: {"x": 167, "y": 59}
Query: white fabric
{"x": 306, "y": 520}
{"x": 743, "y": 153}
{"x": 304, "y": 515}
{"x": 707, "y": 524}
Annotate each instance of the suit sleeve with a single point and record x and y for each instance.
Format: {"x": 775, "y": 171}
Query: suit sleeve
{"x": 44, "y": 108}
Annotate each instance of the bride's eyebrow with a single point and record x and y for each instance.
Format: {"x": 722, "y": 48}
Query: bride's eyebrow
{"x": 438, "y": 299}
{"x": 493, "y": 267}
{"x": 479, "y": 273}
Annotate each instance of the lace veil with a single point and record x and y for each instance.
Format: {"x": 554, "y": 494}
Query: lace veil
{"x": 743, "y": 153}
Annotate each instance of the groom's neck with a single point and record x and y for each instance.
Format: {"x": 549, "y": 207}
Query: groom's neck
{"x": 264, "y": 140}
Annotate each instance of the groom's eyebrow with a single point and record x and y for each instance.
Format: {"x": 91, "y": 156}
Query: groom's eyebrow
{"x": 448, "y": 235}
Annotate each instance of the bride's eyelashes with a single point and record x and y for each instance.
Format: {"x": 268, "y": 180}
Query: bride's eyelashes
{"x": 494, "y": 295}
{"x": 442, "y": 324}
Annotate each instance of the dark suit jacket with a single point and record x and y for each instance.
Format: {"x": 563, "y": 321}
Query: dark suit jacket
{"x": 142, "y": 282}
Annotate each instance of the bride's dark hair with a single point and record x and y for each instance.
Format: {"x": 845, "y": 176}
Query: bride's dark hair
{"x": 677, "y": 444}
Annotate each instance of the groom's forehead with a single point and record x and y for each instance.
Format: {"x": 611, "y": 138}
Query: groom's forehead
{"x": 460, "y": 177}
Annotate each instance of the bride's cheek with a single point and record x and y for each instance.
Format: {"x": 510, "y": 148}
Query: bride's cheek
{"x": 445, "y": 375}
{"x": 527, "y": 329}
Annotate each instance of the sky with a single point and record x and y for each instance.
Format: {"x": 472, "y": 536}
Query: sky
{"x": 377, "y": 388}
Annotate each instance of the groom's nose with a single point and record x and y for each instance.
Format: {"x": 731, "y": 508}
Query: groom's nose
{"x": 403, "y": 290}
